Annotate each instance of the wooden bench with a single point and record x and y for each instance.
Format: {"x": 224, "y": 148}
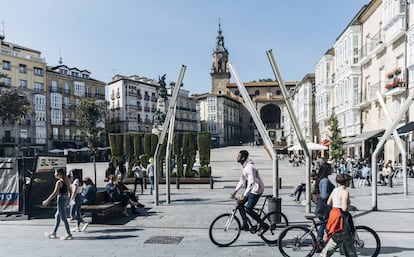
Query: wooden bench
{"x": 102, "y": 208}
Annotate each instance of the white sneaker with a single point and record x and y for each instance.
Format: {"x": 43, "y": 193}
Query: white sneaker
{"x": 85, "y": 227}
{"x": 50, "y": 235}
{"x": 75, "y": 229}
{"x": 67, "y": 237}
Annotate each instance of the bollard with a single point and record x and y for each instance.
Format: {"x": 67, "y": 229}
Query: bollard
{"x": 280, "y": 183}
{"x": 274, "y": 205}
{"x": 177, "y": 182}
{"x": 211, "y": 182}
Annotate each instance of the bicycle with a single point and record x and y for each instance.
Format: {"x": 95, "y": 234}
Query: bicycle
{"x": 225, "y": 228}
{"x": 300, "y": 240}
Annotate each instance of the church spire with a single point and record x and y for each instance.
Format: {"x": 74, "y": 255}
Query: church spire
{"x": 220, "y": 40}
{"x": 219, "y": 72}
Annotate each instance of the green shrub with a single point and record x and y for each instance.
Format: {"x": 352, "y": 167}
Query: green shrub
{"x": 204, "y": 148}
{"x": 205, "y": 171}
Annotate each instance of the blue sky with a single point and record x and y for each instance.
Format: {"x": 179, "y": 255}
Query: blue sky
{"x": 153, "y": 37}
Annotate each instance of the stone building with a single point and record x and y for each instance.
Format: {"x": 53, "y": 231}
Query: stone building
{"x": 25, "y": 69}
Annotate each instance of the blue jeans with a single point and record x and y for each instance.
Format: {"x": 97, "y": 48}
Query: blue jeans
{"x": 151, "y": 179}
{"x": 75, "y": 209}
{"x": 252, "y": 199}
{"x": 62, "y": 202}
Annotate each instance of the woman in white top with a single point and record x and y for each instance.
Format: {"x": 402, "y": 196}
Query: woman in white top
{"x": 76, "y": 201}
{"x": 340, "y": 225}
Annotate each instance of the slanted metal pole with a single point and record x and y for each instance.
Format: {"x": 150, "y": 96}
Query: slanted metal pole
{"x": 168, "y": 154}
{"x": 164, "y": 130}
{"x": 295, "y": 125}
{"x": 399, "y": 144}
{"x": 380, "y": 146}
{"x": 248, "y": 103}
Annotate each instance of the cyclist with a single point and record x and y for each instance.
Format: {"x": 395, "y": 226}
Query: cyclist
{"x": 254, "y": 189}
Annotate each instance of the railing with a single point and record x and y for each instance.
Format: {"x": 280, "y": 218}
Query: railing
{"x": 9, "y": 140}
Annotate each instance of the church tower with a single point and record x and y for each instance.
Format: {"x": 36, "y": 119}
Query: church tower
{"x": 220, "y": 74}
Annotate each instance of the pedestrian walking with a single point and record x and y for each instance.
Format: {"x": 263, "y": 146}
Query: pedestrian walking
{"x": 61, "y": 191}
{"x": 150, "y": 172}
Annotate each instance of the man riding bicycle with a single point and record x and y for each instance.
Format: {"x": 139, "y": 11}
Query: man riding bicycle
{"x": 254, "y": 189}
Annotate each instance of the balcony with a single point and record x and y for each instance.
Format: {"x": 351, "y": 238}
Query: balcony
{"x": 100, "y": 96}
{"x": 153, "y": 99}
{"x": 25, "y": 140}
{"x": 55, "y": 90}
{"x": 66, "y": 91}
{"x": 9, "y": 140}
{"x": 139, "y": 96}
{"x": 146, "y": 97}
{"x": 146, "y": 109}
{"x": 25, "y": 122}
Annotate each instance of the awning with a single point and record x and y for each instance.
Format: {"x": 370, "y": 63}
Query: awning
{"x": 364, "y": 136}
{"x": 325, "y": 142}
{"x": 406, "y": 128}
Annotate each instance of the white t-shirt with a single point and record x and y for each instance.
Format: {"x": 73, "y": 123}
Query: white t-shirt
{"x": 76, "y": 183}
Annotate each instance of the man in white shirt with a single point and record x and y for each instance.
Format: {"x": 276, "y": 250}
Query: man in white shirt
{"x": 254, "y": 189}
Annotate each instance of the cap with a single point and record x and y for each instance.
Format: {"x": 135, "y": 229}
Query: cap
{"x": 151, "y": 160}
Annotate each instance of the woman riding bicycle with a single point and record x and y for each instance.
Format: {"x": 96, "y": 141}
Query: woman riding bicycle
{"x": 254, "y": 189}
{"x": 340, "y": 225}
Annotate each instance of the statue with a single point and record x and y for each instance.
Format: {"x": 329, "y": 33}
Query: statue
{"x": 160, "y": 115}
{"x": 162, "y": 91}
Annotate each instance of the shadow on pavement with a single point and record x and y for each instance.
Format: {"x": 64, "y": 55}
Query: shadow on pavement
{"x": 113, "y": 230}
{"x": 104, "y": 237}
{"x": 394, "y": 250}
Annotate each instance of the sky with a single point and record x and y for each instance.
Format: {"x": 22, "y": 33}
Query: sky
{"x": 154, "y": 37}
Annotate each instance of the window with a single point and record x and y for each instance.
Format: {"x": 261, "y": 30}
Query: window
{"x": 38, "y": 71}
{"x": 66, "y": 88}
{"x": 54, "y": 86}
{"x": 38, "y": 86}
{"x": 22, "y": 68}
{"x": 6, "y": 65}
{"x": 6, "y": 81}
{"x": 23, "y": 83}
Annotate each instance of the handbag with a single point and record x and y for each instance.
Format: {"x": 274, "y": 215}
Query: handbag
{"x": 322, "y": 208}
{"x": 314, "y": 198}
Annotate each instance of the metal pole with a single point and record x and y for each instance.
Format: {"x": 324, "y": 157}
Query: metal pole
{"x": 295, "y": 125}
{"x": 164, "y": 130}
{"x": 380, "y": 146}
{"x": 248, "y": 103}
{"x": 168, "y": 155}
{"x": 398, "y": 141}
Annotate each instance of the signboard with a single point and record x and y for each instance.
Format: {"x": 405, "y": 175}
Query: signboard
{"x": 9, "y": 185}
{"x": 48, "y": 163}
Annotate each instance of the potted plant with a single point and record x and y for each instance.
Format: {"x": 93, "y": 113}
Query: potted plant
{"x": 397, "y": 71}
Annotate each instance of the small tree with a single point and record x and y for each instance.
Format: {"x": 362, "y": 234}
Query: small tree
{"x": 336, "y": 147}
{"x": 14, "y": 105}
{"x": 91, "y": 115}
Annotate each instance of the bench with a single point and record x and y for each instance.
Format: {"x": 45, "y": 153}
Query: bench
{"x": 173, "y": 180}
{"x": 189, "y": 180}
{"x": 135, "y": 182}
{"x": 102, "y": 208}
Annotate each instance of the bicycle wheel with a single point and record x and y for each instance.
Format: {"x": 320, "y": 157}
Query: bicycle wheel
{"x": 277, "y": 221}
{"x": 297, "y": 241}
{"x": 224, "y": 230}
{"x": 367, "y": 242}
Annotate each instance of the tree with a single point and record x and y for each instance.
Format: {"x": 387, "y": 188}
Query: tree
{"x": 14, "y": 105}
{"x": 336, "y": 147}
{"x": 91, "y": 116}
